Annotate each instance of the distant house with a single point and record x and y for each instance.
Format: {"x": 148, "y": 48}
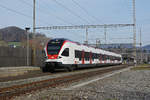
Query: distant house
{"x": 14, "y": 44}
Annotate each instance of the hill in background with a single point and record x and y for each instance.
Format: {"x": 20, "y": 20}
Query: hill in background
{"x": 12, "y": 34}
{"x": 16, "y": 34}
{"x": 147, "y": 47}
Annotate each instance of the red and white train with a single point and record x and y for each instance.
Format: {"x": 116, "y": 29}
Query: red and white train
{"x": 63, "y": 53}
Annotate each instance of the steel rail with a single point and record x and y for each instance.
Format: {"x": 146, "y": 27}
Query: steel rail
{"x": 9, "y": 92}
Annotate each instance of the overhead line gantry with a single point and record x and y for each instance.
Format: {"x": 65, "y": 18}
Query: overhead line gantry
{"x": 85, "y": 27}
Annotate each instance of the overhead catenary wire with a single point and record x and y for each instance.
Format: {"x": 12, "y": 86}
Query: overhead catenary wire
{"x": 23, "y": 1}
{"x": 45, "y": 13}
{"x": 14, "y": 11}
{"x": 84, "y": 26}
{"x": 70, "y": 11}
{"x": 81, "y": 7}
{"x": 19, "y": 13}
{"x": 57, "y": 17}
{"x": 41, "y": 11}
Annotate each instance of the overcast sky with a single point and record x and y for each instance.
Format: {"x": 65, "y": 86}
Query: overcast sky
{"x": 79, "y": 12}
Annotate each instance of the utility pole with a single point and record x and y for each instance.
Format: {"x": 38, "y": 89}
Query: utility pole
{"x": 34, "y": 25}
{"x": 86, "y": 42}
{"x": 34, "y": 16}
{"x": 105, "y": 29}
{"x": 98, "y": 42}
{"x": 134, "y": 32}
{"x": 27, "y": 32}
{"x": 0, "y": 37}
{"x": 141, "y": 57}
{"x": 1, "y": 44}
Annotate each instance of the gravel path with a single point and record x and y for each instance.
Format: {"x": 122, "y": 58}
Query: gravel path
{"x": 129, "y": 85}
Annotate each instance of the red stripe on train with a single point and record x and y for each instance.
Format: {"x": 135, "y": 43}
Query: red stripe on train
{"x": 100, "y": 59}
{"x": 52, "y": 56}
{"x": 90, "y": 58}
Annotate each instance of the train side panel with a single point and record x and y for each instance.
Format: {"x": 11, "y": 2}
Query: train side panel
{"x": 69, "y": 55}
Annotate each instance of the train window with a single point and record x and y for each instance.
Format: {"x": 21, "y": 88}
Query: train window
{"x": 78, "y": 54}
{"x": 109, "y": 57}
{"x": 65, "y": 52}
{"x": 86, "y": 56}
{"x": 88, "y": 59}
{"x": 119, "y": 59}
{"x": 106, "y": 57}
{"x": 103, "y": 57}
{"x": 96, "y": 56}
{"x": 113, "y": 58}
{"x": 92, "y": 59}
{"x": 80, "y": 59}
{"x": 93, "y": 55}
{"x": 100, "y": 57}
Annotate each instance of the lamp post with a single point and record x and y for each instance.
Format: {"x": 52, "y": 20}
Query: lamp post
{"x": 27, "y": 32}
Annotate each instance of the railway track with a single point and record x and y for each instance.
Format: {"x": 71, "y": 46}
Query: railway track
{"x": 16, "y": 90}
{"x": 32, "y": 74}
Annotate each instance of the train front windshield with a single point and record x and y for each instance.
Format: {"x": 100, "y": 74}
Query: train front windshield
{"x": 54, "y": 47}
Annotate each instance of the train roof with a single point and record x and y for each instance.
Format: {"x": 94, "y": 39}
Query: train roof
{"x": 64, "y": 39}
{"x": 58, "y": 39}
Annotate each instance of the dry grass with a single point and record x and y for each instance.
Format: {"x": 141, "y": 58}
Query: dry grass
{"x": 142, "y": 67}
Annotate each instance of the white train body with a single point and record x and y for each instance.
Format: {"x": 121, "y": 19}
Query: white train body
{"x": 63, "y": 53}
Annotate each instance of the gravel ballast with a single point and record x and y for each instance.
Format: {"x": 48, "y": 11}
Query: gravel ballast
{"x": 15, "y": 71}
{"x": 40, "y": 78}
{"x": 128, "y": 85}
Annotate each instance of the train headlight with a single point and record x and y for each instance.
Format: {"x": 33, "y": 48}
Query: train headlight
{"x": 46, "y": 57}
{"x": 59, "y": 57}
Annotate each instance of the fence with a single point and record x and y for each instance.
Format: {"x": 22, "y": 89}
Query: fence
{"x": 18, "y": 57}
